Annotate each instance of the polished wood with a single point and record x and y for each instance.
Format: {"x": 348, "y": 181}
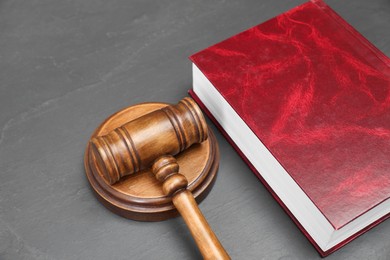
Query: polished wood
{"x": 140, "y": 196}
{"x": 135, "y": 145}
{"x": 154, "y": 136}
{"x": 166, "y": 170}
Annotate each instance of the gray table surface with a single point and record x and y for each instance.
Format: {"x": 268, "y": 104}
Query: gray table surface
{"x": 67, "y": 65}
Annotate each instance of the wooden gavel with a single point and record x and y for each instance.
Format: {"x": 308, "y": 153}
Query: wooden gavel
{"x": 151, "y": 141}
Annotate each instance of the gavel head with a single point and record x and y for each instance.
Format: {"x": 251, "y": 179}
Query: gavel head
{"x": 136, "y": 144}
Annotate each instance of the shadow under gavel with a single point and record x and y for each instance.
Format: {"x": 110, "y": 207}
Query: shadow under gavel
{"x": 151, "y": 141}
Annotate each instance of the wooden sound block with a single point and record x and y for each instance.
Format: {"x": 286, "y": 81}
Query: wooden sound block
{"x": 139, "y": 196}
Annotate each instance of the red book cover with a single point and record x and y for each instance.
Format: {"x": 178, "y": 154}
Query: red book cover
{"x": 316, "y": 94}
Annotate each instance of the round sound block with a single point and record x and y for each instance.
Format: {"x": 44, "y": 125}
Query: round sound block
{"x": 139, "y": 196}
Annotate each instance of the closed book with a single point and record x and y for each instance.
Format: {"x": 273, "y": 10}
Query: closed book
{"x": 305, "y": 100}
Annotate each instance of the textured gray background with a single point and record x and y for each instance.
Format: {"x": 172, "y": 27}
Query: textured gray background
{"x": 67, "y": 65}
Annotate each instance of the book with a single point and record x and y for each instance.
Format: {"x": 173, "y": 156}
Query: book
{"x": 305, "y": 100}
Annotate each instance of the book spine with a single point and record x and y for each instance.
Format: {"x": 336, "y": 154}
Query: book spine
{"x": 258, "y": 175}
{"x": 372, "y": 54}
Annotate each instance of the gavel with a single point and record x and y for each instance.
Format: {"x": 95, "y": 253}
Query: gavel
{"x": 152, "y": 140}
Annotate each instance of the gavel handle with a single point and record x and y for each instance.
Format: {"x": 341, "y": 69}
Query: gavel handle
{"x": 175, "y": 184}
{"x": 207, "y": 241}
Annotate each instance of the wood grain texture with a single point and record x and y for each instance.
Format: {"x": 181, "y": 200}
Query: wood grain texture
{"x": 135, "y": 144}
{"x": 166, "y": 170}
{"x": 67, "y": 64}
{"x": 154, "y": 136}
{"x": 139, "y": 196}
